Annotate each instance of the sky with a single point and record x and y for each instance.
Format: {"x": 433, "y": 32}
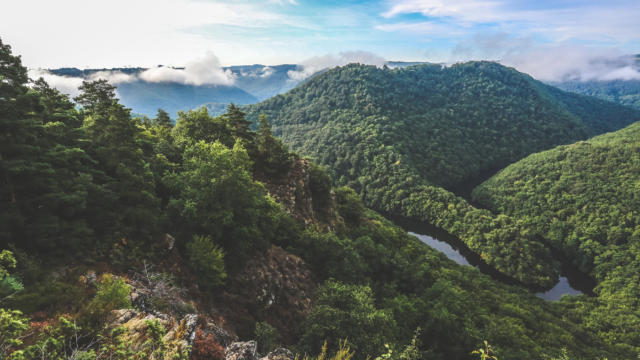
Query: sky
{"x": 548, "y": 38}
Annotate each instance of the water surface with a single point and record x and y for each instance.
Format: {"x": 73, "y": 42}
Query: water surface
{"x": 571, "y": 280}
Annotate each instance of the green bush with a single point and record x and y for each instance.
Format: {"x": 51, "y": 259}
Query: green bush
{"x": 266, "y": 336}
{"x": 112, "y": 293}
{"x": 207, "y": 259}
{"x": 347, "y": 311}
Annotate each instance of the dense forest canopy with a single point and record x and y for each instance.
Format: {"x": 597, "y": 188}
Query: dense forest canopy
{"x": 623, "y": 92}
{"x": 584, "y": 199}
{"x": 400, "y": 137}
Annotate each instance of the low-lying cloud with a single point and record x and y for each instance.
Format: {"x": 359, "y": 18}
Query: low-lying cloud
{"x": 550, "y": 62}
{"x": 65, "y": 84}
{"x": 204, "y": 71}
{"x": 319, "y": 63}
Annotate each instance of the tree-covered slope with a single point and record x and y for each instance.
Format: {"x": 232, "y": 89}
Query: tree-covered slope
{"x": 89, "y": 197}
{"x": 623, "y": 92}
{"x": 452, "y": 123}
{"x": 398, "y": 136}
{"x": 584, "y": 199}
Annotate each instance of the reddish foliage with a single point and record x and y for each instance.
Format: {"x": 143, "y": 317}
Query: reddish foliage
{"x": 206, "y": 348}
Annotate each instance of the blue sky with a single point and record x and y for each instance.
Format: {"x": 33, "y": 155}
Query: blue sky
{"x": 91, "y": 33}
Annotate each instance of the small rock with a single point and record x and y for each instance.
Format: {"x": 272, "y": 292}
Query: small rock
{"x": 121, "y": 316}
{"x": 279, "y": 354}
{"x": 222, "y": 336}
{"x": 169, "y": 241}
{"x": 247, "y": 350}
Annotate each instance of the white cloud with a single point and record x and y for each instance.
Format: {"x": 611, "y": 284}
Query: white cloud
{"x": 284, "y": 2}
{"x": 466, "y": 10}
{"x": 549, "y": 62}
{"x": 570, "y": 62}
{"x": 612, "y": 20}
{"x": 313, "y": 65}
{"x": 422, "y": 28}
{"x": 266, "y": 72}
{"x": 206, "y": 70}
{"x": 113, "y": 77}
{"x": 88, "y": 33}
{"x": 65, "y": 84}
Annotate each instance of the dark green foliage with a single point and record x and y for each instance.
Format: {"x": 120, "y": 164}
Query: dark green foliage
{"x": 208, "y": 260}
{"x": 449, "y": 123}
{"x": 347, "y": 311}
{"x": 112, "y": 294}
{"x": 42, "y": 186}
{"x": 583, "y": 199}
{"x": 272, "y": 158}
{"x": 196, "y": 125}
{"x": 133, "y": 208}
{"x": 98, "y": 182}
{"x": 266, "y": 336}
{"x": 162, "y": 119}
{"x": 397, "y": 135}
{"x": 623, "y": 92}
{"x": 320, "y": 186}
{"x": 219, "y": 197}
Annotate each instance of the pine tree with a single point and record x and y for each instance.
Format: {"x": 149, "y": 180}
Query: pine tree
{"x": 162, "y": 119}
{"x": 133, "y": 209}
{"x": 40, "y": 191}
{"x": 272, "y": 156}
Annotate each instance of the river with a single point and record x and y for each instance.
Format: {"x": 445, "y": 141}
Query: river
{"x": 571, "y": 281}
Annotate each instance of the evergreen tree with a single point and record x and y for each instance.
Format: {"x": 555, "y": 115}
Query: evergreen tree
{"x": 43, "y": 183}
{"x": 162, "y": 119}
{"x": 273, "y": 157}
{"x": 133, "y": 209}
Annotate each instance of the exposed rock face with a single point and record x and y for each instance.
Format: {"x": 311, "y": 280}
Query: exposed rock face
{"x": 294, "y": 192}
{"x": 279, "y": 354}
{"x": 242, "y": 351}
{"x": 179, "y": 333}
{"x": 276, "y": 287}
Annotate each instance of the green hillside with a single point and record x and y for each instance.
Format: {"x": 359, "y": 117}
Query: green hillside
{"x": 400, "y": 137}
{"x": 123, "y": 239}
{"x": 623, "y": 92}
{"x": 584, "y": 199}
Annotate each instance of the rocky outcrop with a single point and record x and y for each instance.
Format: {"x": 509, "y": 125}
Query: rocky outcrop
{"x": 178, "y": 337}
{"x": 294, "y": 193}
{"x": 279, "y": 354}
{"x": 276, "y": 287}
{"x": 247, "y": 350}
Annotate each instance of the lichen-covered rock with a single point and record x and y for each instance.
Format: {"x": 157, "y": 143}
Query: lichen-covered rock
{"x": 178, "y": 336}
{"x": 277, "y": 286}
{"x": 279, "y": 354}
{"x": 221, "y": 335}
{"x": 247, "y": 350}
{"x": 293, "y": 192}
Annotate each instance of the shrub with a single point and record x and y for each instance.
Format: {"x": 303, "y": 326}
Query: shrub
{"x": 207, "y": 259}
{"x": 12, "y": 326}
{"x": 266, "y": 336}
{"x": 113, "y": 293}
{"x": 206, "y": 348}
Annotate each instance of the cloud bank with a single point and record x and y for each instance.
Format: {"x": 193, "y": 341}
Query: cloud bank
{"x": 318, "y": 63}
{"x": 204, "y": 71}
{"x": 549, "y": 62}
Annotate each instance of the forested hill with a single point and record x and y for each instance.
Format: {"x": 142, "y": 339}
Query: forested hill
{"x": 397, "y": 136}
{"x": 127, "y": 239}
{"x": 584, "y": 198}
{"x": 450, "y": 124}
